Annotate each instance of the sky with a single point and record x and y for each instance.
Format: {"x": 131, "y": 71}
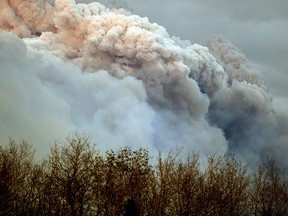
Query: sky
{"x": 210, "y": 78}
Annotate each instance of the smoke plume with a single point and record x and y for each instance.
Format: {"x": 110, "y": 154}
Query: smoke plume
{"x": 68, "y": 66}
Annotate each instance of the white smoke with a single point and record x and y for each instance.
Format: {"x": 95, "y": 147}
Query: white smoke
{"x": 88, "y": 67}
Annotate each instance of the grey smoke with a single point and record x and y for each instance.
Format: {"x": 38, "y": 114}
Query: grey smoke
{"x": 243, "y": 109}
{"x": 262, "y": 36}
{"x": 126, "y": 81}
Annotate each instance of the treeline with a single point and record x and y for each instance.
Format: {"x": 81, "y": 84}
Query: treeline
{"x": 76, "y": 180}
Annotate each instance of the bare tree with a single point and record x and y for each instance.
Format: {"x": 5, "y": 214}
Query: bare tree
{"x": 125, "y": 180}
{"x": 70, "y": 175}
{"x": 77, "y": 180}
{"x": 16, "y": 165}
{"x": 269, "y": 193}
{"x": 226, "y": 186}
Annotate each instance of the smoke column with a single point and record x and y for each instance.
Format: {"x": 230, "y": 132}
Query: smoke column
{"x": 68, "y": 66}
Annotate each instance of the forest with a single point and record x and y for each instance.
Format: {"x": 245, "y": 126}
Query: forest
{"x": 75, "y": 179}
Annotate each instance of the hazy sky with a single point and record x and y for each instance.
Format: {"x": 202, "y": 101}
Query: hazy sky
{"x": 260, "y": 30}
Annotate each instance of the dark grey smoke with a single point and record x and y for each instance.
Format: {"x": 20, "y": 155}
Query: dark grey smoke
{"x": 243, "y": 109}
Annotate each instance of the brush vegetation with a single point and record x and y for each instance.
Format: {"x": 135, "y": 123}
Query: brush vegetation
{"x": 76, "y": 180}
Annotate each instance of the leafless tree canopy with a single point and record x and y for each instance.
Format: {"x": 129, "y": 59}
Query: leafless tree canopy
{"x": 77, "y": 180}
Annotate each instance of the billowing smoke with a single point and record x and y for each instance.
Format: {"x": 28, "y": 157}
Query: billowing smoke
{"x": 243, "y": 109}
{"x": 75, "y": 66}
